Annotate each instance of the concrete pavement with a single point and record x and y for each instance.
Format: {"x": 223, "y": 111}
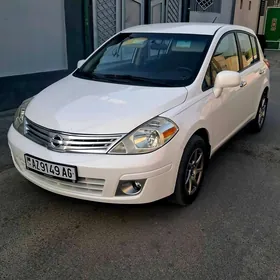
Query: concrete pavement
{"x": 231, "y": 232}
{"x": 6, "y": 118}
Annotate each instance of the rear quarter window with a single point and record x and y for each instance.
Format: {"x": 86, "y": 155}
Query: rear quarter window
{"x": 256, "y": 55}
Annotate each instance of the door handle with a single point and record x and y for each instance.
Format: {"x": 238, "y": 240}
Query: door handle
{"x": 243, "y": 84}
{"x": 261, "y": 71}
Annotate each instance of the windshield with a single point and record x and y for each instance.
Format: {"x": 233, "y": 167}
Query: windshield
{"x": 152, "y": 59}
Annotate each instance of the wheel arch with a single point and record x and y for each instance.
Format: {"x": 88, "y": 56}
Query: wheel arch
{"x": 199, "y": 129}
{"x": 266, "y": 91}
{"x": 204, "y": 134}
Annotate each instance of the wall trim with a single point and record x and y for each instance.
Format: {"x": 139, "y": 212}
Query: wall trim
{"x": 15, "y": 89}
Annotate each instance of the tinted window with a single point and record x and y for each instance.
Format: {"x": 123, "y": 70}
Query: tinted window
{"x": 125, "y": 54}
{"x": 162, "y": 47}
{"x": 246, "y": 49}
{"x": 255, "y": 49}
{"x": 156, "y": 59}
{"x": 224, "y": 58}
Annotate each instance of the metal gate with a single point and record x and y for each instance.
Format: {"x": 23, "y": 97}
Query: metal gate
{"x": 157, "y": 11}
{"x": 132, "y": 13}
{"x": 106, "y": 20}
{"x": 165, "y": 11}
{"x": 111, "y": 16}
{"x": 173, "y": 10}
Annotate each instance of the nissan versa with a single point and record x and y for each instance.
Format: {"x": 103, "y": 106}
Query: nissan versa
{"x": 139, "y": 119}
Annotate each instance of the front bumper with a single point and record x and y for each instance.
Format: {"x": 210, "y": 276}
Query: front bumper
{"x": 99, "y": 174}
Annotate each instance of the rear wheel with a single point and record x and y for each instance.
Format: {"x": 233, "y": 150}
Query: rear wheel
{"x": 257, "y": 124}
{"x": 191, "y": 171}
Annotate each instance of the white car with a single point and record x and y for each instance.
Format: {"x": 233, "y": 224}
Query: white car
{"x": 140, "y": 118}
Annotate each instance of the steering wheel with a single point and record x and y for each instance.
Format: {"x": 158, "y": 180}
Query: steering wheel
{"x": 186, "y": 69}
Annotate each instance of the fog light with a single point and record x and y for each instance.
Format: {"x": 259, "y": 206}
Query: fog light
{"x": 130, "y": 187}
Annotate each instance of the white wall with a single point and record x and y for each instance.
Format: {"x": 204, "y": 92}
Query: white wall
{"x": 33, "y": 37}
{"x": 246, "y": 17}
{"x": 223, "y": 17}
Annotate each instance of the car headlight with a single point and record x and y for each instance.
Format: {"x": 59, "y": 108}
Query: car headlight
{"x": 19, "y": 116}
{"x": 147, "y": 138}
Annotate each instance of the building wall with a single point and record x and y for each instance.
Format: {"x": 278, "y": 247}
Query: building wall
{"x": 33, "y": 37}
{"x": 245, "y": 16}
{"x": 221, "y": 10}
{"x": 41, "y": 42}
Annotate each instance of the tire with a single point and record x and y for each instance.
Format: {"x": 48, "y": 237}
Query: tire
{"x": 257, "y": 124}
{"x": 189, "y": 173}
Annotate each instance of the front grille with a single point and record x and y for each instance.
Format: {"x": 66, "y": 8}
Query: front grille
{"x": 67, "y": 142}
{"x": 83, "y": 185}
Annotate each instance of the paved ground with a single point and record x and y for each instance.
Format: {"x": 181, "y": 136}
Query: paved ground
{"x": 6, "y": 119}
{"x": 231, "y": 232}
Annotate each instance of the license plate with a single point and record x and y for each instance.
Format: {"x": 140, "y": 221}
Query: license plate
{"x": 52, "y": 169}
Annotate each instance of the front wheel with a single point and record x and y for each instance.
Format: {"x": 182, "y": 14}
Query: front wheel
{"x": 257, "y": 124}
{"x": 191, "y": 171}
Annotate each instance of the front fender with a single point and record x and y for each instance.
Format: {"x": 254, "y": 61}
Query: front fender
{"x": 201, "y": 124}
{"x": 191, "y": 118}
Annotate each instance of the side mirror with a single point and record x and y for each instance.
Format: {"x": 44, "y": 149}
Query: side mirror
{"x": 226, "y": 79}
{"x": 80, "y": 63}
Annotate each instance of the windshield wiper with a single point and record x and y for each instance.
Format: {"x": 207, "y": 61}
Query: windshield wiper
{"x": 115, "y": 77}
{"x": 91, "y": 76}
{"x": 131, "y": 78}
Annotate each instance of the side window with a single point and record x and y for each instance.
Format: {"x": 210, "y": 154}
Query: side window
{"x": 207, "y": 83}
{"x": 224, "y": 58}
{"x": 246, "y": 49}
{"x": 256, "y": 55}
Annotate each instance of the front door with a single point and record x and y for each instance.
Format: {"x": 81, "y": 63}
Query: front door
{"x": 229, "y": 109}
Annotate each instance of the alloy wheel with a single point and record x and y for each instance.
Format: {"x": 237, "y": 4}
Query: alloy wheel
{"x": 194, "y": 171}
{"x": 262, "y": 112}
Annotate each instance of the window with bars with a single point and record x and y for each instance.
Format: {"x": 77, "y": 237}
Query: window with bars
{"x": 212, "y": 6}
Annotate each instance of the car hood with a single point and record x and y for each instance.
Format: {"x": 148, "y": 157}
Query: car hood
{"x": 83, "y": 106}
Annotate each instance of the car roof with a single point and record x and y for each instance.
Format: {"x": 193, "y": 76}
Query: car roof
{"x": 183, "y": 28}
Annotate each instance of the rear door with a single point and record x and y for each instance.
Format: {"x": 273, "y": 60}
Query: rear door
{"x": 261, "y": 72}
{"x": 252, "y": 71}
